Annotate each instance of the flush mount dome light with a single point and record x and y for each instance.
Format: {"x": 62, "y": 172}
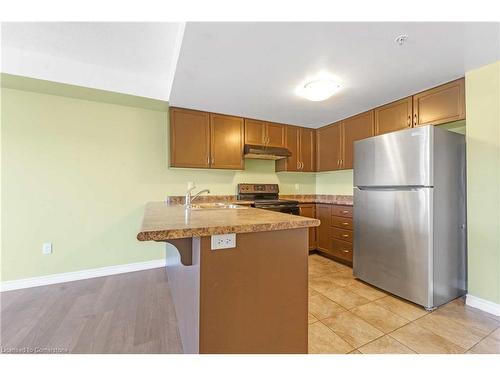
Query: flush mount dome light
{"x": 318, "y": 90}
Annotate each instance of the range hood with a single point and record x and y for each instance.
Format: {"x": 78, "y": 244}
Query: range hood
{"x": 265, "y": 152}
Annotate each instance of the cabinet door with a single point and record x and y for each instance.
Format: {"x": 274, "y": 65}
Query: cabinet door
{"x": 275, "y": 134}
{"x": 291, "y": 163}
{"x": 226, "y": 134}
{"x": 393, "y": 116}
{"x": 328, "y": 148}
{"x": 189, "y": 138}
{"x": 354, "y": 129}
{"x": 255, "y": 132}
{"x": 307, "y": 152}
{"x": 308, "y": 210}
{"x": 323, "y": 213}
{"x": 440, "y": 105}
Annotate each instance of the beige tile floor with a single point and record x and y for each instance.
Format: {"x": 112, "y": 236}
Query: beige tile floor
{"x": 349, "y": 316}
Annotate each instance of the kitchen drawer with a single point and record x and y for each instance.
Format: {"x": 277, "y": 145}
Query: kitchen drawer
{"x": 344, "y": 211}
{"x": 342, "y": 222}
{"x": 341, "y": 249}
{"x": 341, "y": 234}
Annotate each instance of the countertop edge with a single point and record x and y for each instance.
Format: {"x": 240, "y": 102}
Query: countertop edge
{"x": 171, "y": 234}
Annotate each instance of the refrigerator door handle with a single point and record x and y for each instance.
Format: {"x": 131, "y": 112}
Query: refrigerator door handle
{"x": 393, "y": 188}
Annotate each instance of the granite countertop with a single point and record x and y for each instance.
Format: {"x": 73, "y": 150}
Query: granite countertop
{"x": 163, "y": 221}
{"x": 345, "y": 200}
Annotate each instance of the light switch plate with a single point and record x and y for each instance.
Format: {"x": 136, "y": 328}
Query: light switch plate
{"x": 223, "y": 241}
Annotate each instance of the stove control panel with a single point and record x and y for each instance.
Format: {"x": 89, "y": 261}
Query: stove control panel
{"x": 258, "y": 188}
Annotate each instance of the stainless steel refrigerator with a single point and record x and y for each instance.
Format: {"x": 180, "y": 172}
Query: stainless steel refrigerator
{"x": 410, "y": 214}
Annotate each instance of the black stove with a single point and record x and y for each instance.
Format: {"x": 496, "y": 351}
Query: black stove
{"x": 266, "y": 196}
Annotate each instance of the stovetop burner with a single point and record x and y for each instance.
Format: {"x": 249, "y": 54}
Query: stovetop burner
{"x": 266, "y": 196}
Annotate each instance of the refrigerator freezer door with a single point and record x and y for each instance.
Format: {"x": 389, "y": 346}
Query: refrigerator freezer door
{"x": 402, "y": 158}
{"x": 393, "y": 241}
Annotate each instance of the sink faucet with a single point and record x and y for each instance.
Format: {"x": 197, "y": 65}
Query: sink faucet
{"x": 189, "y": 199}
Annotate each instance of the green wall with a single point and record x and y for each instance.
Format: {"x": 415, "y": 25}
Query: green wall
{"x": 483, "y": 181}
{"x": 77, "y": 167}
{"x": 78, "y": 172}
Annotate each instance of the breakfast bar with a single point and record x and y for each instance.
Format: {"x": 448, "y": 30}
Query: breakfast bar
{"x": 248, "y": 298}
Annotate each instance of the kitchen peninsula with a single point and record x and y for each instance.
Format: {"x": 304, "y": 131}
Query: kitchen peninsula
{"x": 251, "y": 298}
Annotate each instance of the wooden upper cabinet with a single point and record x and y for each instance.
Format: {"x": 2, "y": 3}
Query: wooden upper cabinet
{"x": 354, "y": 129}
{"x": 328, "y": 148}
{"x": 264, "y": 133}
{"x": 440, "y": 105}
{"x": 393, "y": 116}
{"x": 189, "y": 138}
{"x": 292, "y": 143}
{"x": 275, "y": 134}
{"x": 302, "y": 144}
{"x": 226, "y": 142}
{"x": 255, "y": 131}
{"x": 307, "y": 153}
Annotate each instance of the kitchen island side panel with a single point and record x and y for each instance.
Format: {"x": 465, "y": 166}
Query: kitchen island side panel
{"x": 253, "y": 298}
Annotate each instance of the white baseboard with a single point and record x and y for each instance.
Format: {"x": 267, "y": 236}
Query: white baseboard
{"x": 80, "y": 275}
{"x": 482, "y": 304}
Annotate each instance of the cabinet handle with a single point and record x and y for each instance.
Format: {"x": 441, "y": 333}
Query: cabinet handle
{"x": 345, "y": 251}
{"x": 301, "y": 165}
{"x": 208, "y": 160}
{"x": 345, "y": 212}
{"x": 345, "y": 235}
{"x": 409, "y": 121}
{"x": 345, "y": 223}
{"x": 415, "y": 119}
{"x": 213, "y": 160}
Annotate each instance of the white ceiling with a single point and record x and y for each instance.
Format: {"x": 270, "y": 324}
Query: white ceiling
{"x": 133, "y": 58}
{"x": 252, "y": 69}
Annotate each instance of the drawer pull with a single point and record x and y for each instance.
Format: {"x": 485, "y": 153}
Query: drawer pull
{"x": 345, "y": 223}
{"x": 345, "y": 251}
{"x": 345, "y": 235}
{"x": 345, "y": 212}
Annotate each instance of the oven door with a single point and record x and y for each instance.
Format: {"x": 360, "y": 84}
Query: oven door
{"x": 294, "y": 210}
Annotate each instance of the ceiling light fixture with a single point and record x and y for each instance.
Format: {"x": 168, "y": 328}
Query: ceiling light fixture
{"x": 319, "y": 89}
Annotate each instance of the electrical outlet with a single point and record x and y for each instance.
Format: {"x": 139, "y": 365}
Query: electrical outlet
{"x": 223, "y": 241}
{"x": 47, "y": 248}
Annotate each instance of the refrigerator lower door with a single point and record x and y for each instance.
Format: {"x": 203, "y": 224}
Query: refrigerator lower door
{"x": 393, "y": 241}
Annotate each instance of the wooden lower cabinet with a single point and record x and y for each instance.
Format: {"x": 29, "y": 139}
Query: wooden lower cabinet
{"x": 335, "y": 233}
{"x": 323, "y": 214}
{"x": 309, "y": 210}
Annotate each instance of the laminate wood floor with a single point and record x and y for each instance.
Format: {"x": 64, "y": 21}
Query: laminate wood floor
{"x": 134, "y": 313}
{"x": 127, "y": 313}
